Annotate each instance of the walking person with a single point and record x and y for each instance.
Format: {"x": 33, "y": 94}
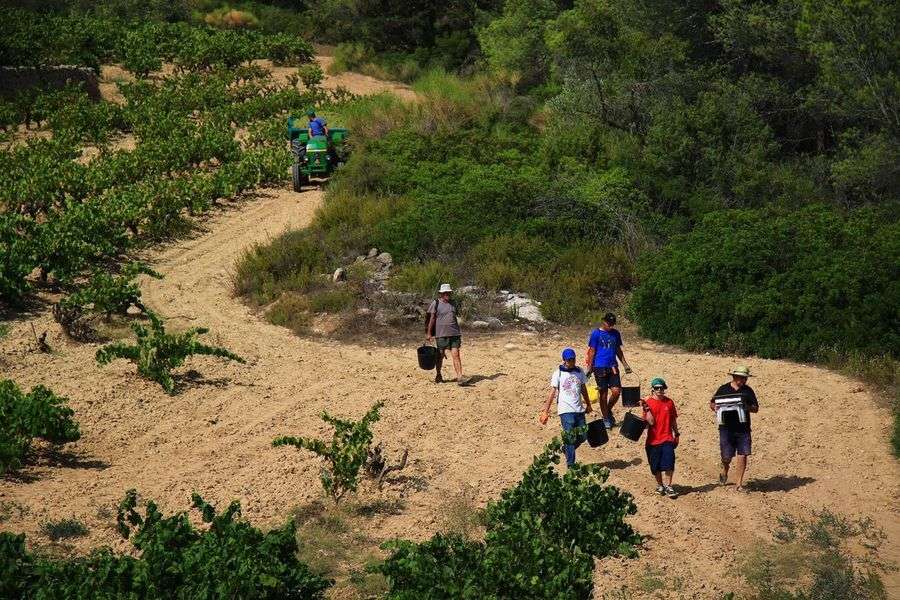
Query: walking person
{"x": 662, "y": 436}
{"x": 604, "y": 348}
{"x": 734, "y": 436}
{"x": 568, "y": 387}
{"x": 443, "y": 326}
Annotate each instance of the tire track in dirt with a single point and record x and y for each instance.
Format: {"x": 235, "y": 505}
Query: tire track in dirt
{"x": 816, "y": 443}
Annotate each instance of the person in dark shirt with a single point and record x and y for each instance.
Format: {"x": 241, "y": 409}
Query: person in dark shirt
{"x": 734, "y": 436}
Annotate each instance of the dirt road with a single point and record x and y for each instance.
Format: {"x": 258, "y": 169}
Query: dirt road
{"x": 819, "y": 439}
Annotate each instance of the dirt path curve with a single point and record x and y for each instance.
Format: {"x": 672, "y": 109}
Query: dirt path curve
{"x": 819, "y": 439}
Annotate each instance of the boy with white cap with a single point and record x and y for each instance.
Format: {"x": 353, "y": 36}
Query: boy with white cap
{"x": 444, "y": 327}
{"x": 567, "y": 385}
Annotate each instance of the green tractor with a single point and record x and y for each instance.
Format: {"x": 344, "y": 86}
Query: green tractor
{"x": 317, "y": 156}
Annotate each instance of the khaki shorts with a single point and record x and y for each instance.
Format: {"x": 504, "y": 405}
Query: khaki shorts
{"x": 454, "y": 341}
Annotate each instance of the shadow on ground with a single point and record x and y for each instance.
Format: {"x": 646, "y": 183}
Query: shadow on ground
{"x": 618, "y": 463}
{"x": 778, "y": 483}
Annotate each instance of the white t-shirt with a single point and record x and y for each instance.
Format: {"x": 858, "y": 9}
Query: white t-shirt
{"x": 569, "y": 385}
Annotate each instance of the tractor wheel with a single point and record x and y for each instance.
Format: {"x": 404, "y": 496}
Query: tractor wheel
{"x": 297, "y": 177}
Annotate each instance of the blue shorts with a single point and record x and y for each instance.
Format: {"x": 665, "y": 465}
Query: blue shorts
{"x": 734, "y": 442}
{"x": 661, "y": 457}
{"x": 607, "y": 377}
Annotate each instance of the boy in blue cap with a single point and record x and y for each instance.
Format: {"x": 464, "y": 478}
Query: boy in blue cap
{"x": 567, "y": 386}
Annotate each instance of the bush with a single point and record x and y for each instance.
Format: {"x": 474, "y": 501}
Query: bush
{"x": 815, "y": 559}
{"x": 344, "y": 456}
{"x": 777, "y": 284}
{"x": 538, "y": 544}
{"x": 38, "y": 414}
{"x": 228, "y": 558}
{"x": 422, "y": 278}
{"x": 156, "y": 353}
{"x": 63, "y": 529}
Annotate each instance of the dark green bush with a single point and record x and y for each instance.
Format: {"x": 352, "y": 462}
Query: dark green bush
{"x": 538, "y": 544}
{"x": 777, "y": 283}
{"x": 38, "y": 414}
{"x": 63, "y": 529}
{"x": 229, "y": 558}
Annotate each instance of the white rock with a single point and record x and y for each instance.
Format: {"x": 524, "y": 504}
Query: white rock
{"x": 385, "y": 258}
{"x": 364, "y": 311}
{"x": 524, "y": 308}
{"x": 340, "y": 274}
{"x": 494, "y": 322}
{"x": 479, "y": 324}
{"x": 510, "y": 347}
{"x": 373, "y": 252}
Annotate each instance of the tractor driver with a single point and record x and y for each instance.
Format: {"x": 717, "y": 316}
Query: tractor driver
{"x": 317, "y": 125}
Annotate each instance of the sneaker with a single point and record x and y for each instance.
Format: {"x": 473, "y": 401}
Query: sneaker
{"x": 438, "y": 378}
{"x": 661, "y": 490}
{"x": 670, "y": 492}
{"x": 608, "y": 422}
{"x": 612, "y": 420}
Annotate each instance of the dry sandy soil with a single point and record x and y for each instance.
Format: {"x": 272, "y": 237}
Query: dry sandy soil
{"x": 819, "y": 439}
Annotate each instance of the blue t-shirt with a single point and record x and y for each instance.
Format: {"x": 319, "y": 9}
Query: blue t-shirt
{"x": 317, "y": 126}
{"x": 606, "y": 344}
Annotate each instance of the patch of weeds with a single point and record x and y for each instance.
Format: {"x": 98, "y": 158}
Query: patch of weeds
{"x": 10, "y": 509}
{"x": 422, "y": 278}
{"x": 4, "y": 330}
{"x": 104, "y": 513}
{"x": 458, "y": 514}
{"x": 63, "y": 529}
{"x": 652, "y": 580}
{"x": 828, "y": 556}
{"x": 291, "y": 311}
{"x": 379, "y": 506}
{"x": 332, "y": 300}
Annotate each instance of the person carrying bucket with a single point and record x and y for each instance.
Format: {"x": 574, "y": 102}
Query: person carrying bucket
{"x": 734, "y": 433}
{"x": 444, "y": 327}
{"x": 662, "y": 436}
{"x": 568, "y": 387}
{"x": 604, "y": 346}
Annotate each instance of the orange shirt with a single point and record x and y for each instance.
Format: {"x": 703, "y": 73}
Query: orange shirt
{"x": 664, "y": 415}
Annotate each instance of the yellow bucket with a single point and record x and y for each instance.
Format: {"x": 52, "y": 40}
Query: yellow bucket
{"x": 593, "y": 393}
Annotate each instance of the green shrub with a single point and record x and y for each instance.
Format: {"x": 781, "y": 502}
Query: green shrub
{"x": 228, "y": 558}
{"x": 346, "y": 454}
{"x": 291, "y": 311}
{"x": 538, "y": 542}
{"x": 156, "y": 353}
{"x": 63, "y": 529}
{"x": 38, "y": 414}
{"x": 815, "y": 558}
{"x": 777, "y": 284}
{"x": 332, "y": 300}
{"x": 422, "y": 278}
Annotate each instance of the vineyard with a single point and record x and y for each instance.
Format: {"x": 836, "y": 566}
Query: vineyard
{"x": 62, "y": 216}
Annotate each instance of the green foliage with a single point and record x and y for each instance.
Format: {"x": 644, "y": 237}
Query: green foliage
{"x": 311, "y": 75}
{"x": 538, "y": 543}
{"x": 777, "y": 283}
{"x": 109, "y": 294}
{"x": 38, "y": 414}
{"x": 514, "y": 43}
{"x": 344, "y": 456}
{"x": 815, "y": 558}
{"x": 156, "y": 353}
{"x": 229, "y": 558}
{"x": 63, "y": 529}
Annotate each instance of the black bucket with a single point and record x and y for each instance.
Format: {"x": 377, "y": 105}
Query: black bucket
{"x": 633, "y": 427}
{"x": 596, "y": 433}
{"x": 631, "y": 396}
{"x": 427, "y": 357}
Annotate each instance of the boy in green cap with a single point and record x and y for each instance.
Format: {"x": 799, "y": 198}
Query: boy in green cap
{"x": 662, "y": 436}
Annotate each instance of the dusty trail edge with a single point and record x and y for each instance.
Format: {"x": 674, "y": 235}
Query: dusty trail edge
{"x": 820, "y": 439}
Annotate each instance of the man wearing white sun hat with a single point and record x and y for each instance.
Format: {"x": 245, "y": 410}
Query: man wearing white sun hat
{"x": 444, "y": 327}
